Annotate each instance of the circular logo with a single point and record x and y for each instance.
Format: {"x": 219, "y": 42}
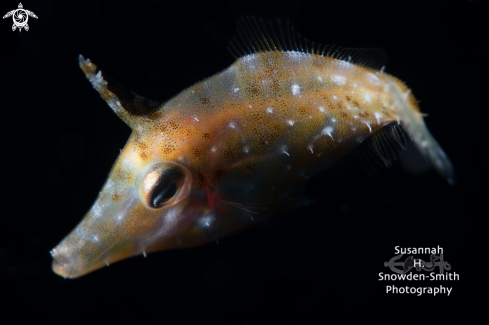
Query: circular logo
{"x": 20, "y": 18}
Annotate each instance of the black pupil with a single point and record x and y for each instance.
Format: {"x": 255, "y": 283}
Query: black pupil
{"x": 163, "y": 193}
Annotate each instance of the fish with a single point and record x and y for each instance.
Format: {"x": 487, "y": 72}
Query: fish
{"x": 239, "y": 147}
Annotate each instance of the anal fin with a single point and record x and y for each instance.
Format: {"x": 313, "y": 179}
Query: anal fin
{"x": 383, "y": 148}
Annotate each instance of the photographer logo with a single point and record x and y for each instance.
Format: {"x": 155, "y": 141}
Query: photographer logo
{"x": 20, "y": 17}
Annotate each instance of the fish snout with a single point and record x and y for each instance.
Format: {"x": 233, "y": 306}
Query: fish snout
{"x": 81, "y": 253}
{"x": 65, "y": 264}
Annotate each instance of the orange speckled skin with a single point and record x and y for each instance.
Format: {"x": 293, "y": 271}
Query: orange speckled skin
{"x": 247, "y": 139}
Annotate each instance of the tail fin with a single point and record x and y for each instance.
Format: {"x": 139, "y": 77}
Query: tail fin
{"x": 413, "y": 125}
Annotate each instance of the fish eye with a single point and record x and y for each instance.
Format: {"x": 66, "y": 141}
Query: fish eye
{"x": 162, "y": 193}
{"x": 164, "y": 185}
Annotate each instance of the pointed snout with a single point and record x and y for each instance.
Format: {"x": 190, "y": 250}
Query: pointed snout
{"x": 90, "y": 247}
{"x": 75, "y": 257}
{"x": 118, "y": 225}
{"x": 108, "y": 233}
{"x": 63, "y": 265}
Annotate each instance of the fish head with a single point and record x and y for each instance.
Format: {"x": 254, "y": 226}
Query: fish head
{"x": 145, "y": 204}
{"x": 137, "y": 211}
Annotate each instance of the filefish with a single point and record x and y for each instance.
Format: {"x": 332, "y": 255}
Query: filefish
{"x": 238, "y": 147}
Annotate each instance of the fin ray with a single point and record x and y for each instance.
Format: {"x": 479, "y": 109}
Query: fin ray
{"x": 129, "y": 106}
{"x": 252, "y": 36}
{"x": 383, "y": 148}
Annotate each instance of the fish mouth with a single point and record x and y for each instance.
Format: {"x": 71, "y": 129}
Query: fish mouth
{"x": 73, "y": 262}
{"x": 65, "y": 266}
{"x": 74, "y": 257}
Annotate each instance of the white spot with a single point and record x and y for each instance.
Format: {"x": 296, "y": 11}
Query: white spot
{"x": 171, "y": 215}
{"x": 195, "y": 118}
{"x": 213, "y": 149}
{"x": 246, "y": 149}
{"x": 235, "y": 89}
{"x": 206, "y": 220}
{"x": 373, "y": 78}
{"x": 232, "y": 125}
{"x": 296, "y": 89}
{"x": 144, "y": 253}
{"x": 95, "y": 238}
{"x": 333, "y": 120}
{"x": 96, "y": 210}
{"x": 328, "y": 131}
{"x": 339, "y": 79}
{"x": 406, "y": 94}
{"x": 321, "y": 109}
{"x": 320, "y": 79}
{"x": 269, "y": 110}
{"x": 366, "y": 97}
{"x": 97, "y": 80}
{"x": 378, "y": 116}
{"x": 355, "y": 116}
{"x": 310, "y": 148}
{"x": 284, "y": 150}
{"x": 250, "y": 60}
{"x": 335, "y": 97}
{"x": 294, "y": 55}
{"x": 367, "y": 124}
{"x": 290, "y": 122}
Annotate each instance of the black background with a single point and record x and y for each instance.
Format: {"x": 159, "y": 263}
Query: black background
{"x": 317, "y": 264}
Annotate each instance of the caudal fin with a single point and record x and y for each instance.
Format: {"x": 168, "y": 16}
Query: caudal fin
{"x": 431, "y": 150}
{"x": 414, "y": 126}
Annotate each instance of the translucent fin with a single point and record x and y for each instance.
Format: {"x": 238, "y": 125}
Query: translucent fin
{"x": 255, "y": 36}
{"x": 130, "y": 107}
{"x": 414, "y": 126}
{"x": 431, "y": 150}
{"x": 383, "y": 148}
{"x": 135, "y": 104}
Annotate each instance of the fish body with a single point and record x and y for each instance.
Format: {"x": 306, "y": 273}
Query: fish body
{"x": 233, "y": 150}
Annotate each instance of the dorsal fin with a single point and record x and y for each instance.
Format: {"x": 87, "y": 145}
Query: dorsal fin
{"x": 254, "y": 36}
{"x": 129, "y": 106}
{"x": 135, "y": 104}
